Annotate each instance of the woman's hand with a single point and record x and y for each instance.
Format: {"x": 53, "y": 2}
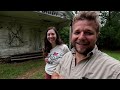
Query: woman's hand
{"x": 56, "y": 76}
{"x": 46, "y": 60}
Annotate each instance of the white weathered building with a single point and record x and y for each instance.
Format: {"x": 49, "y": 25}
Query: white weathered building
{"x": 23, "y": 31}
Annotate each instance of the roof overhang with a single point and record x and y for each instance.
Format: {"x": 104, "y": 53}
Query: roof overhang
{"x": 35, "y": 16}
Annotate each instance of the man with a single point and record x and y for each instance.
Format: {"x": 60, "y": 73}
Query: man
{"x": 85, "y": 61}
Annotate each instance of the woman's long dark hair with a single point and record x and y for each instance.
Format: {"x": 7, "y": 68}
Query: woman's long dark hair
{"x": 47, "y": 44}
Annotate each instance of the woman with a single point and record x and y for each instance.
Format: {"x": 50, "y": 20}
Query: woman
{"x": 54, "y": 50}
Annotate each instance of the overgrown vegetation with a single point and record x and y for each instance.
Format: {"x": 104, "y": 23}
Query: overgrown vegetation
{"x": 13, "y": 70}
{"x": 110, "y": 32}
{"x": 64, "y": 34}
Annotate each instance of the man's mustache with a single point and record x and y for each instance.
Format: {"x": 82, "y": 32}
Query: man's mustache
{"x": 82, "y": 43}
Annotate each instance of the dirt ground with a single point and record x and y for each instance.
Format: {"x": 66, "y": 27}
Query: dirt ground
{"x": 28, "y": 74}
{"x": 31, "y": 73}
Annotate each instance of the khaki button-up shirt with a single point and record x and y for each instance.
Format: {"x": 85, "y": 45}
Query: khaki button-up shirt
{"x": 97, "y": 65}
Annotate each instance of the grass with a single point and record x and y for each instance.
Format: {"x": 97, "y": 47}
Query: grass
{"x": 115, "y": 54}
{"x": 39, "y": 75}
{"x": 13, "y": 70}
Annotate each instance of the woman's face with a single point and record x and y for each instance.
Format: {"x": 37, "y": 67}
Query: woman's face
{"x": 51, "y": 36}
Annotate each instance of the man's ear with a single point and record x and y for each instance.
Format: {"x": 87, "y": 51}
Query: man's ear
{"x": 98, "y": 35}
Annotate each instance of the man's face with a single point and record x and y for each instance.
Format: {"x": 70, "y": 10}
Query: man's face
{"x": 84, "y": 36}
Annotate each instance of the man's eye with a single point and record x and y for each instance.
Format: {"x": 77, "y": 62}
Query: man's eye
{"x": 76, "y": 33}
{"x": 88, "y": 33}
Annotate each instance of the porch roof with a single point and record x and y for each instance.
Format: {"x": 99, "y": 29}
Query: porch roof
{"x": 39, "y": 16}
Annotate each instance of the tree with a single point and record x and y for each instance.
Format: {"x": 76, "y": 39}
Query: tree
{"x": 64, "y": 33}
{"x": 110, "y": 32}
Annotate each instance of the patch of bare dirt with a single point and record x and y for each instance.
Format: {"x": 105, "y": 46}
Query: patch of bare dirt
{"x": 28, "y": 74}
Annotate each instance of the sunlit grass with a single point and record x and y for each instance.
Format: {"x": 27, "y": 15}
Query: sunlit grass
{"x": 13, "y": 70}
{"x": 115, "y": 54}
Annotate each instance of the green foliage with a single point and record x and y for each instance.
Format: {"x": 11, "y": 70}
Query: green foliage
{"x": 104, "y": 16}
{"x": 64, "y": 34}
{"x": 110, "y": 32}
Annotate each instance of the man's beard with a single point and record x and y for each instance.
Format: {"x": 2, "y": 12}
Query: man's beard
{"x": 85, "y": 51}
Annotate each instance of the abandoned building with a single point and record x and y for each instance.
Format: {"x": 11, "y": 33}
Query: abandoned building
{"x": 22, "y": 32}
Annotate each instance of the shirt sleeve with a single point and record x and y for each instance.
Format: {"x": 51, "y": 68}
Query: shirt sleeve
{"x": 65, "y": 49}
{"x": 58, "y": 67}
{"x": 116, "y": 75}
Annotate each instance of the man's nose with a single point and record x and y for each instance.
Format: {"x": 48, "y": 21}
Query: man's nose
{"x": 81, "y": 35}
